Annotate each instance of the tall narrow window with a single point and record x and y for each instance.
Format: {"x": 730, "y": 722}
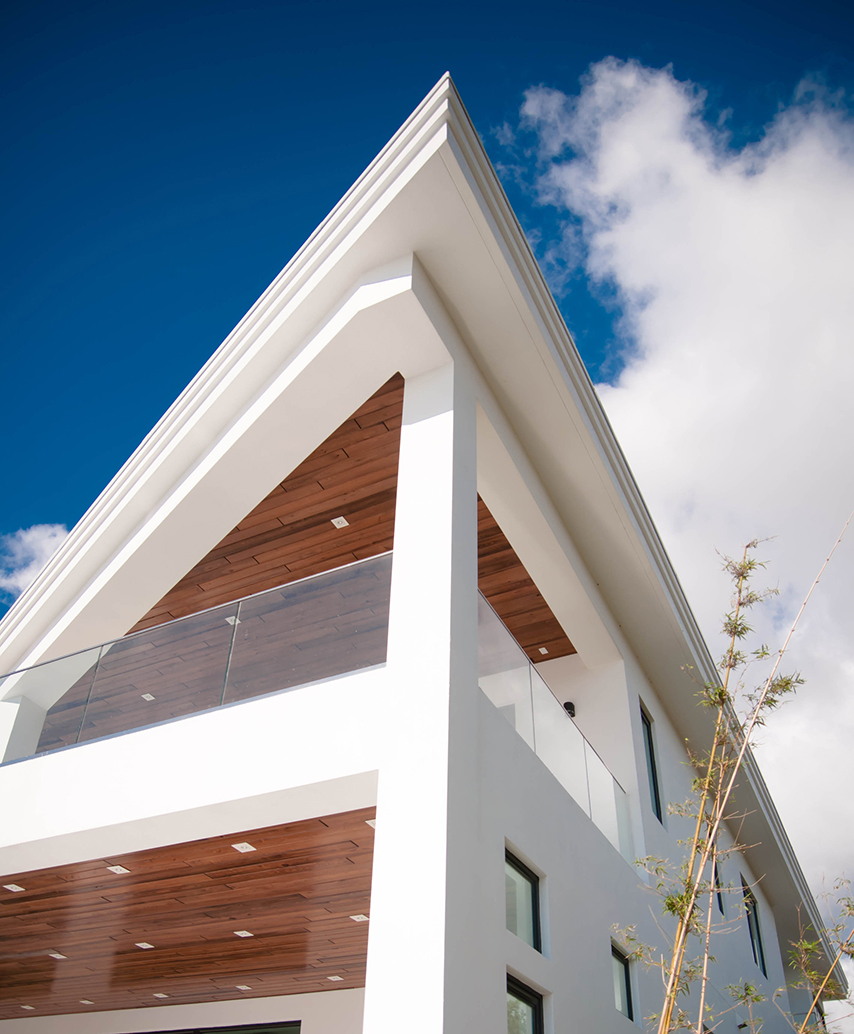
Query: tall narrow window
{"x": 524, "y": 1009}
{"x": 752, "y": 913}
{"x": 522, "y": 901}
{"x": 622, "y": 983}
{"x": 718, "y": 888}
{"x": 651, "y": 767}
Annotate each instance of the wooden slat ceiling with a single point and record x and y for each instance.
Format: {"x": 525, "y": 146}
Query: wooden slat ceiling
{"x": 503, "y": 580}
{"x": 290, "y": 535}
{"x": 295, "y": 894}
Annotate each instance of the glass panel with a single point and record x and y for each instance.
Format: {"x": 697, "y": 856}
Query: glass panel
{"x": 624, "y": 825}
{"x": 520, "y": 904}
{"x": 621, "y": 984}
{"x": 603, "y": 804}
{"x": 167, "y": 672}
{"x": 504, "y": 672}
{"x": 61, "y": 685}
{"x": 559, "y": 743}
{"x": 521, "y": 1016}
{"x": 314, "y": 629}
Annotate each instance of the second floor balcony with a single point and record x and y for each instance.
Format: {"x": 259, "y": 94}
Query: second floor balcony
{"x": 298, "y": 634}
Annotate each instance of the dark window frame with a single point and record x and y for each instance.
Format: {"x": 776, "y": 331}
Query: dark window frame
{"x": 534, "y": 881}
{"x": 627, "y": 978}
{"x": 651, "y": 764}
{"x": 754, "y": 932}
{"x": 530, "y": 997}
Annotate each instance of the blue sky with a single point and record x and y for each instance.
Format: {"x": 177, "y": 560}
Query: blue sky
{"x": 164, "y": 160}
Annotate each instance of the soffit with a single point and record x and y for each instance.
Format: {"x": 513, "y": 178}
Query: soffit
{"x": 295, "y": 893}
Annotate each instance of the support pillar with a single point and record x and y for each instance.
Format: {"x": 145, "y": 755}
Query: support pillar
{"x": 424, "y": 967}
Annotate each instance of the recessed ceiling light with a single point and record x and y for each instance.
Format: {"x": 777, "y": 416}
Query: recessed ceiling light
{"x": 244, "y": 847}
{"x": 372, "y": 823}
{"x": 243, "y": 987}
{"x": 543, "y": 650}
{"x": 243, "y": 933}
{"x": 340, "y": 522}
{"x": 28, "y": 1007}
{"x": 160, "y": 994}
{"x": 85, "y": 1001}
{"x": 359, "y": 918}
{"x": 144, "y": 944}
{"x": 57, "y": 955}
{"x": 15, "y": 890}
{"x": 335, "y": 978}
{"x": 118, "y": 869}
{"x": 147, "y": 696}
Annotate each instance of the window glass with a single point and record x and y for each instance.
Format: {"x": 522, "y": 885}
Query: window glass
{"x": 521, "y": 893}
{"x": 622, "y": 984}
{"x": 651, "y": 766}
{"x": 753, "y": 927}
{"x": 719, "y": 888}
{"x": 524, "y": 1009}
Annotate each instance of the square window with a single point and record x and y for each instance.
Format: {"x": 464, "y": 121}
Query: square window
{"x": 524, "y": 1009}
{"x": 622, "y": 983}
{"x": 522, "y": 901}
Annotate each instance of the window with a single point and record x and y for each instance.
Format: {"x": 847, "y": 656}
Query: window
{"x": 817, "y": 1017}
{"x": 622, "y": 983}
{"x": 524, "y": 1009}
{"x": 718, "y": 888}
{"x": 522, "y": 901}
{"x": 752, "y": 913}
{"x": 651, "y": 767}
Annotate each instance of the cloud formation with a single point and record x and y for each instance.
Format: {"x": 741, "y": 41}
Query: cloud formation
{"x": 732, "y": 266}
{"x": 24, "y": 553}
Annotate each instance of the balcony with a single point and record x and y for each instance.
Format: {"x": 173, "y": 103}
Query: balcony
{"x": 303, "y": 632}
{"x": 297, "y": 634}
{"x": 517, "y": 689}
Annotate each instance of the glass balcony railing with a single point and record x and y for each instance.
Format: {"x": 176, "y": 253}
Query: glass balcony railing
{"x": 302, "y": 632}
{"x": 516, "y": 688}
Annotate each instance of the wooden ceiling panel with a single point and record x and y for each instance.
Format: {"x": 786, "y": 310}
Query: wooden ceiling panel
{"x": 503, "y": 580}
{"x": 289, "y": 534}
{"x": 295, "y": 893}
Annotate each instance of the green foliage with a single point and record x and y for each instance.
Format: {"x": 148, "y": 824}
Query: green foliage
{"x": 687, "y": 891}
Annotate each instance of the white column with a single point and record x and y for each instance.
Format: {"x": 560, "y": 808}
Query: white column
{"x": 425, "y": 970}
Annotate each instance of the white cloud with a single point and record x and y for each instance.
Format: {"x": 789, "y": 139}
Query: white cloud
{"x": 25, "y": 552}
{"x": 734, "y": 268}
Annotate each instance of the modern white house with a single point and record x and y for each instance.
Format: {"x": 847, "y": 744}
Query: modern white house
{"x": 350, "y": 702}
